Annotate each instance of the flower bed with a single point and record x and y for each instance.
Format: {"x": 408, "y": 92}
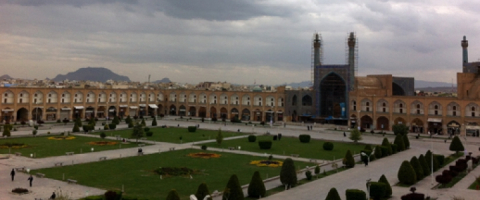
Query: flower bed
{"x": 204, "y": 155}
{"x": 267, "y": 163}
{"x": 20, "y": 191}
{"x": 103, "y": 143}
{"x": 12, "y": 145}
{"x": 175, "y": 171}
{"x": 61, "y": 138}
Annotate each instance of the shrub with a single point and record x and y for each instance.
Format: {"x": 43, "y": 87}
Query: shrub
{"x": 456, "y": 145}
{"x": 204, "y": 147}
{"x": 143, "y": 122}
{"x": 394, "y": 148}
{"x": 288, "y": 174}
{"x": 443, "y": 179}
{"x": 327, "y": 146}
{"x": 112, "y": 195}
{"x": 234, "y": 189}
{"x": 265, "y": 144}
{"x": 377, "y": 190}
{"x": 304, "y": 138}
{"x": 417, "y": 167}
{"x": 149, "y": 134}
{"x": 202, "y": 191}
{"x": 355, "y": 135}
{"x": 219, "y": 137}
{"x": 112, "y": 126}
{"x": 428, "y": 158}
{"x": 192, "y": 129}
{"x": 252, "y": 138}
{"x": 173, "y": 195}
{"x": 103, "y": 135}
{"x": 333, "y": 195}
{"x": 317, "y": 170}
{"x": 348, "y": 160}
{"x": 399, "y": 142}
{"x": 388, "y": 188}
{"x": 413, "y": 196}
{"x": 439, "y": 158}
{"x": 378, "y": 152}
{"x": 146, "y": 129}
{"x": 59, "y": 121}
{"x": 406, "y": 174}
{"x": 368, "y": 147}
{"x": 105, "y": 127}
{"x": 406, "y": 141}
{"x": 130, "y": 124}
{"x": 386, "y": 144}
{"x": 256, "y": 188}
{"x": 308, "y": 174}
{"x": 75, "y": 129}
{"x": 154, "y": 121}
{"x": 355, "y": 194}
{"x": 384, "y": 150}
{"x": 400, "y": 129}
{"x": 34, "y": 132}
{"x": 423, "y": 163}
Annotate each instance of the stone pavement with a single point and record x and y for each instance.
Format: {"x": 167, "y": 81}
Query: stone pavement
{"x": 317, "y": 189}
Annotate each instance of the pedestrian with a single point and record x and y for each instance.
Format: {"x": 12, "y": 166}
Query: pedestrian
{"x": 53, "y": 196}
{"x": 12, "y": 173}
{"x": 344, "y": 135}
{"x": 284, "y": 124}
{"x": 30, "y": 179}
{"x": 366, "y": 161}
{"x": 311, "y": 127}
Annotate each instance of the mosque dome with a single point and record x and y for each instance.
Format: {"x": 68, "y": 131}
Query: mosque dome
{"x": 257, "y": 89}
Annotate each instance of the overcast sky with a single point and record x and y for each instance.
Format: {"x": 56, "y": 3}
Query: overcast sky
{"x": 234, "y": 41}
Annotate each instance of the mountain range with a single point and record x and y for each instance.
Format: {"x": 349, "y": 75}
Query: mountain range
{"x": 418, "y": 84}
{"x": 92, "y": 74}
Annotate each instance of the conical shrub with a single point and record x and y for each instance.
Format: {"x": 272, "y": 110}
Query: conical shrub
{"x": 385, "y": 143}
{"x": 423, "y": 163}
{"x": 202, "y": 191}
{"x": 428, "y": 158}
{"x": 256, "y": 188}
{"x": 378, "y": 152}
{"x": 348, "y": 160}
{"x": 333, "y": 195}
{"x": 406, "y": 141}
{"x": 288, "y": 174}
{"x": 417, "y": 167}
{"x": 235, "y": 191}
{"x": 456, "y": 145}
{"x": 399, "y": 142}
{"x": 173, "y": 195}
{"x": 388, "y": 187}
{"x": 406, "y": 174}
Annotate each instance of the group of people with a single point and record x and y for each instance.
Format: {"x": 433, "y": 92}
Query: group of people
{"x": 30, "y": 180}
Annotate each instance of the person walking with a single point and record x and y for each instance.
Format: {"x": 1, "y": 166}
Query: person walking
{"x": 53, "y": 196}
{"x": 30, "y": 179}
{"x": 12, "y": 173}
{"x": 344, "y": 135}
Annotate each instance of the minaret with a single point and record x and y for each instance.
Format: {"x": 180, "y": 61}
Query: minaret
{"x": 465, "y": 50}
{"x": 316, "y": 52}
{"x": 351, "y": 58}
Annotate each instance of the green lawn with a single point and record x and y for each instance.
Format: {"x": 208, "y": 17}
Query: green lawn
{"x": 44, "y": 147}
{"x": 139, "y": 180}
{"x": 172, "y": 135}
{"x": 292, "y": 145}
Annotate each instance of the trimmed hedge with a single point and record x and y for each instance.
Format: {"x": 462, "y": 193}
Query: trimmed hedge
{"x": 328, "y": 146}
{"x": 149, "y": 134}
{"x": 112, "y": 126}
{"x": 439, "y": 158}
{"x": 252, "y": 138}
{"x": 384, "y": 150}
{"x": 378, "y": 152}
{"x": 348, "y": 160}
{"x": 394, "y": 148}
{"x": 192, "y": 129}
{"x": 377, "y": 190}
{"x": 265, "y": 144}
{"x": 355, "y": 194}
{"x": 406, "y": 174}
{"x": 304, "y": 138}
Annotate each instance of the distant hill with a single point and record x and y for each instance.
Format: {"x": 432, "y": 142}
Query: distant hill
{"x": 164, "y": 80}
{"x": 426, "y": 84}
{"x": 300, "y": 84}
{"x": 5, "y": 76}
{"x": 99, "y": 74}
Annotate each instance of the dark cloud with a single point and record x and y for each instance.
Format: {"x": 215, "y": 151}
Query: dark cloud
{"x": 76, "y": 3}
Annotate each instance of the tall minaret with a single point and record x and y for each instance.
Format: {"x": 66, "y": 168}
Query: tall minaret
{"x": 316, "y": 50}
{"x": 351, "y": 58}
{"x": 465, "y": 50}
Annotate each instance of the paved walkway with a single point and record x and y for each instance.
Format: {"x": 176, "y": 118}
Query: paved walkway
{"x": 317, "y": 189}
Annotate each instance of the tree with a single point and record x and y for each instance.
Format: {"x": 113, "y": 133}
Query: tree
{"x": 406, "y": 174}
{"x": 105, "y": 127}
{"x": 333, "y": 195}
{"x": 288, "y": 174}
{"x": 78, "y": 122}
{"x": 234, "y": 189}
{"x": 143, "y": 122}
{"x": 406, "y": 141}
{"x": 130, "y": 124}
{"x": 103, "y": 135}
{"x": 423, "y": 163}
{"x": 137, "y": 132}
{"x": 400, "y": 129}
{"x": 219, "y": 137}
{"x": 6, "y": 131}
{"x": 388, "y": 187}
{"x": 154, "y": 121}
{"x": 75, "y": 128}
{"x": 417, "y": 167}
{"x": 115, "y": 120}
{"x": 256, "y": 188}
{"x": 317, "y": 170}
{"x": 128, "y": 119}
{"x": 378, "y": 152}
{"x": 385, "y": 143}
{"x": 173, "y": 195}
{"x": 202, "y": 191}
{"x": 430, "y": 160}
{"x": 456, "y": 145}
{"x": 399, "y": 142}
{"x": 355, "y": 135}
{"x": 348, "y": 160}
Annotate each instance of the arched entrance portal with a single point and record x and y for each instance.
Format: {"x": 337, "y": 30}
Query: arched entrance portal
{"x": 22, "y": 114}
{"x": 435, "y": 125}
{"x": 367, "y": 122}
{"x": 182, "y": 111}
{"x": 90, "y": 112}
{"x": 453, "y": 128}
{"x": 234, "y": 113}
{"x": 417, "y": 126}
{"x": 294, "y": 116}
{"x": 246, "y": 114}
{"x": 101, "y": 112}
{"x": 202, "y": 112}
{"x": 213, "y": 112}
{"x": 258, "y": 115}
{"x": 192, "y": 111}
{"x": 51, "y": 113}
{"x": 37, "y": 113}
{"x": 400, "y": 120}
{"x": 173, "y": 110}
{"x": 353, "y": 121}
{"x": 160, "y": 109}
{"x": 112, "y": 112}
{"x": 332, "y": 95}
{"x": 269, "y": 116}
{"x": 223, "y": 114}
{"x": 382, "y": 123}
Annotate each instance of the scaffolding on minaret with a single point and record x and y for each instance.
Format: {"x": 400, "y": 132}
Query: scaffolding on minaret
{"x": 316, "y": 37}
{"x": 351, "y": 73}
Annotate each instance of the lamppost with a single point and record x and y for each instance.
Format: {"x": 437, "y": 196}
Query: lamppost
{"x": 368, "y": 188}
